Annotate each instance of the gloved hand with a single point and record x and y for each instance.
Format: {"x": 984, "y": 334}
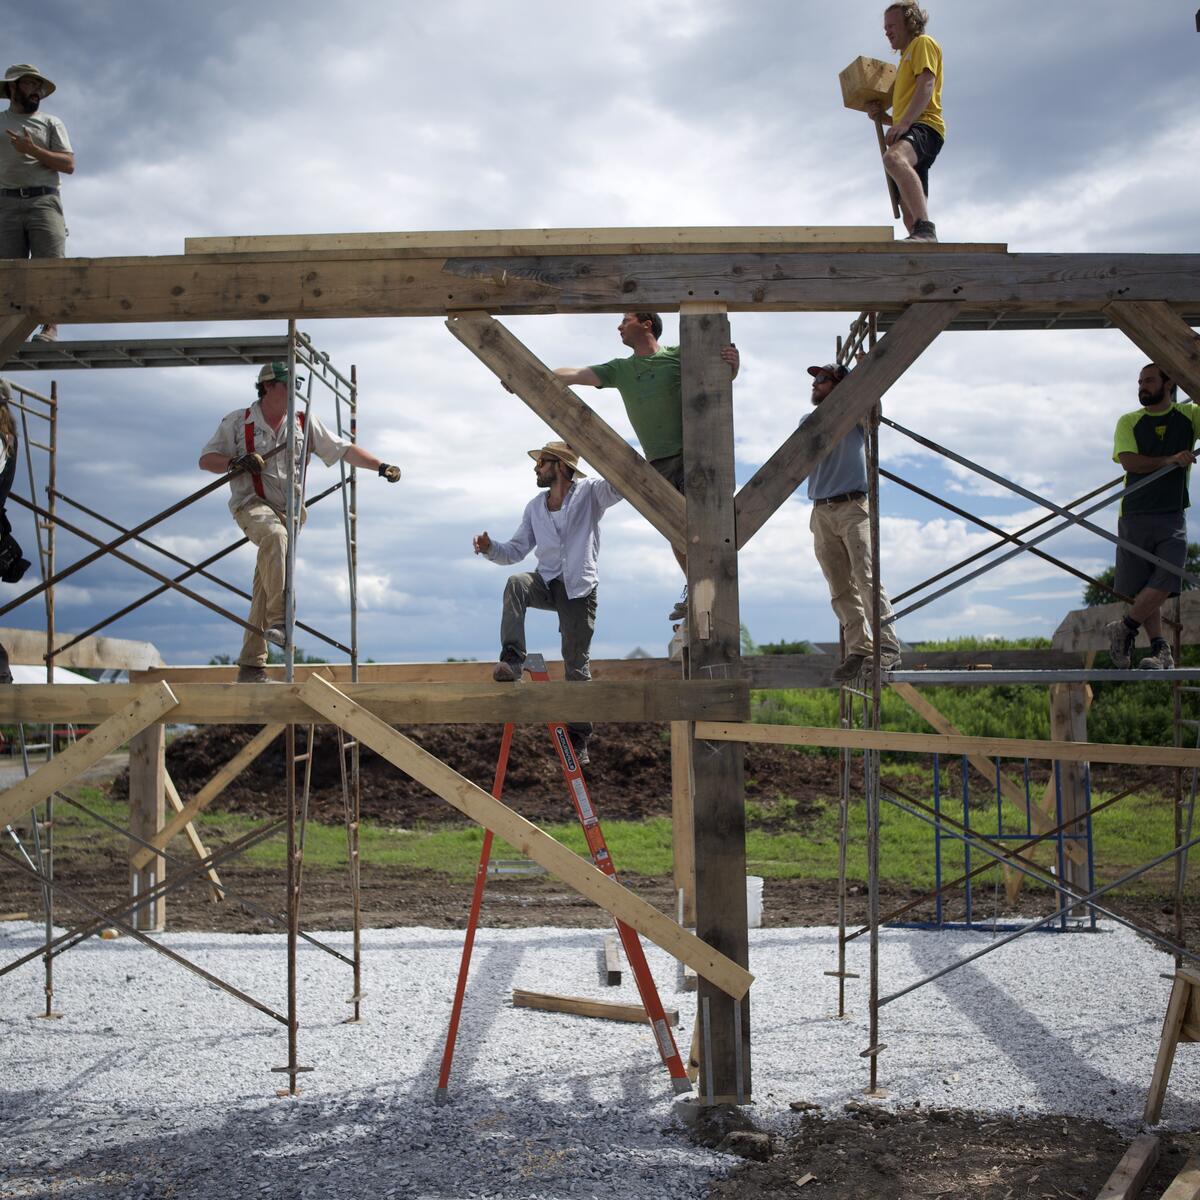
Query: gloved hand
{"x": 253, "y": 463}
{"x": 389, "y": 472}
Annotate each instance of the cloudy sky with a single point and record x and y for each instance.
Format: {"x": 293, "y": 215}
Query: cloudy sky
{"x": 1071, "y": 127}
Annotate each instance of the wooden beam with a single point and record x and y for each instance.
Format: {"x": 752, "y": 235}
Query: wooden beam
{"x": 198, "y": 848}
{"x": 635, "y": 240}
{"x": 612, "y": 960}
{"x": 530, "y": 379}
{"x": 366, "y": 283}
{"x": 1186, "y": 984}
{"x": 147, "y": 811}
{"x": 525, "y": 837}
{"x": 1133, "y": 1170}
{"x": 580, "y": 1006}
{"x": 824, "y": 427}
{"x": 683, "y": 837}
{"x": 713, "y": 650}
{"x": 399, "y": 704}
{"x": 15, "y": 329}
{"x": 211, "y": 790}
{"x": 928, "y": 743}
{"x": 1185, "y": 1185}
{"x": 1163, "y": 336}
{"x": 148, "y": 705}
{"x": 1068, "y": 723}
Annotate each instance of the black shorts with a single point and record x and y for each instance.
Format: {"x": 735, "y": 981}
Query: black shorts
{"x": 671, "y": 469}
{"x": 927, "y": 142}
{"x": 1163, "y": 534}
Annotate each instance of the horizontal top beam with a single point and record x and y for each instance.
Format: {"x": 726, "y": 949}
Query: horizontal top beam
{"x": 354, "y": 283}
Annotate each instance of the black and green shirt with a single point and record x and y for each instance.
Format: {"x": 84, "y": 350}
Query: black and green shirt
{"x": 1157, "y": 435}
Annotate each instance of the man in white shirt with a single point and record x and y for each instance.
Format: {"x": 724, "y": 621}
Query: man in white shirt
{"x": 33, "y": 153}
{"x": 258, "y": 496}
{"x": 563, "y": 530}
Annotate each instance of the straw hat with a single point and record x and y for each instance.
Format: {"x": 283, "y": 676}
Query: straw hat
{"x": 562, "y": 452}
{"x": 19, "y": 71}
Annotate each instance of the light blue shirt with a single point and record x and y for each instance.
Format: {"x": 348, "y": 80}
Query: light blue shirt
{"x": 566, "y": 542}
{"x": 843, "y": 469}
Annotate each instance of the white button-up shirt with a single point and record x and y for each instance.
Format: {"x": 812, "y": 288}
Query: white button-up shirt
{"x": 566, "y": 542}
{"x": 230, "y": 439}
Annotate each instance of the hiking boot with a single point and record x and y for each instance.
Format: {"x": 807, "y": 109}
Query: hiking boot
{"x": 680, "y": 611}
{"x": 252, "y": 675}
{"x": 506, "y": 671}
{"x": 850, "y": 669}
{"x": 1120, "y": 643}
{"x": 922, "y": 231}
{"x": 580, "y": 746}
{"x": 47, "y": 333}
{"x": 889, "y": 660}
{"x": 276, "y": 635}
{"x": 1158, "y": 660}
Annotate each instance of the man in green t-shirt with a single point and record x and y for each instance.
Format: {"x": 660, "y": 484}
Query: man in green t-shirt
{"x": 1159, "y": 434}
{"x": 649, "y": 383}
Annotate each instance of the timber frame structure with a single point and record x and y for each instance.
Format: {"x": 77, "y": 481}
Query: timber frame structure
{"x": 705, "y": 275}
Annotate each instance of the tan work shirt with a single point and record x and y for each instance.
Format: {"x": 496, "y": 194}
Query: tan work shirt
{"x": 23, "y": 170}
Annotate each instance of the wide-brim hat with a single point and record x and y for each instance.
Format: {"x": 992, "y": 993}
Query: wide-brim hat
{"x": 562, "y": 452}
{"x": 19, "y": 71}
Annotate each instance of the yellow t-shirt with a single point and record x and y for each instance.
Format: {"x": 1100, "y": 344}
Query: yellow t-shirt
{"x": 920, "y": 55}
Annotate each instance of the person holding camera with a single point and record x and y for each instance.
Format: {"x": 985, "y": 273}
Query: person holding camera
{"x": 243, "y": 443}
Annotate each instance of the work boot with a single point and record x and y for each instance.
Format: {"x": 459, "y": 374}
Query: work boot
{"x": 252, "y": 674}
{"x": 1160, "y": 658}
{"x": 889, "y": 660}
{"x": 580, "y": 746}
{"x": 922, "y": 231}
{"x": 680, "y": 611}
{"x": 47, "y": 333}
{"x": 507, "y": 670}
{"x": 1120, "y": 643}
{"x": 850, "y": 669}
{"x": 276, "y": 635}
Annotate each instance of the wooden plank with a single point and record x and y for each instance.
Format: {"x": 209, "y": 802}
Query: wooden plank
{"x": 28, "y": 647}
{"x": 211, "y": 790}
{"x": 147, "y": 811}
{"x": 1185, "y": 1185}
{"x": 683, "y": 844}
{"x": 198, "y": 287}
{"x": 198, "y": 848}
{"x": 399, "y": 704}
{"x": 714, "y": 641}
{"x": 524, "y": 836}
{"x": 1083, "y": 628}
{"x": 1163, "y": 336}
{"x": 612, "y": 960}
{"x": 1177, "y": 1008}
{"x": 629, "y": 240}
{"x": 580, "y": 1006}
{"x": 14, "y": 332}
{"x": 530, "y": 379}
{"x": 824, "y": 427}
{"x": 929, "y": 743}
{"x": 146, "y": 706}
{"x": 1133, "y": 1170}
{"x": 1013, "y": 793}
{"x": 1068, "y": 723}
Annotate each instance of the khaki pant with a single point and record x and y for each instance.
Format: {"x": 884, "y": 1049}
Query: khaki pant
{"x": 32, "y": 228}
{"x": 842, "y": 542}
{"x": 267, "y": 530}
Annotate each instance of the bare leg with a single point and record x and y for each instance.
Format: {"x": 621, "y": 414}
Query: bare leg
{"x": 1145, "y": 609}
{"x": 900, "y": 162}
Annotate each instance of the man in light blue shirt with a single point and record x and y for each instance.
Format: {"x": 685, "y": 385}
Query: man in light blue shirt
{"x": 562, "y": 528}
{"x": 841, "y": 529}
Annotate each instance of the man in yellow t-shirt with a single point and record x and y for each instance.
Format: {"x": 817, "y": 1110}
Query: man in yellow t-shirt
{"x": 917, "y": 131}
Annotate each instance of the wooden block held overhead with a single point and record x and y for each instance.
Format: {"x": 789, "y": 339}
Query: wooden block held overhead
{"x": 867, "y": 79}
{"x": 580, "y": 1006}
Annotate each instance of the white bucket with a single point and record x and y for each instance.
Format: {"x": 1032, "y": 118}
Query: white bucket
{"x": 754, "y": 901}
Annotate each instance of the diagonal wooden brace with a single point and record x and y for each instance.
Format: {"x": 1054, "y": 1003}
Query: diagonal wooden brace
{"x": 849, "y": 404}
{"x": 526, "y": 837}
{"x": 526, "y": 376}
{"x": 1164, "y": 336}
{"x": 150, "y": 705}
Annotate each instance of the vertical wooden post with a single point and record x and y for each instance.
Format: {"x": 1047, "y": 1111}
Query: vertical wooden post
{"x": 682, "y": 836}
{"x": 1068, "y": 723}
{"x": 714, "y": 648}
{"x": 147, "y": 815}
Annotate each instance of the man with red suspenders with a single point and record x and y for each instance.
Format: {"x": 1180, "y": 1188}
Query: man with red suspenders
{"x": 258, "y": 497}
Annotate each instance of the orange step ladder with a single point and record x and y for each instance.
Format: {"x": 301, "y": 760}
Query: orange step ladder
{"x": 634, "y": 954}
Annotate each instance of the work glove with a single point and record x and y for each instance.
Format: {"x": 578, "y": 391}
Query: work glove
{"x": 389, "y": 472}
{"x": 251, "y": 462}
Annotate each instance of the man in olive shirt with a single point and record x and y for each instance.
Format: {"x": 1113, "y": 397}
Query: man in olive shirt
{"x": 1161, "y": 433}
{"x": 649, "y": 383}
{"x": 33, "y": 153}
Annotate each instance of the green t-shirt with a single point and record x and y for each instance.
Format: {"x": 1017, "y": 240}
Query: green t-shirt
{"x": 650, "y": 387}
{"x": 1157, "y": 435}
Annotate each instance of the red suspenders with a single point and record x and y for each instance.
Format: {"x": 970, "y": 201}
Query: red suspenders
{"x": 249, "y": 435}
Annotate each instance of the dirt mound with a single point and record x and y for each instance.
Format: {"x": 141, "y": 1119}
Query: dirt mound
{"x": 629, "y": 776}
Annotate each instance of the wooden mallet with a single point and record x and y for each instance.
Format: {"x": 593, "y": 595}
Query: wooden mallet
{"x": 864, "y": 80}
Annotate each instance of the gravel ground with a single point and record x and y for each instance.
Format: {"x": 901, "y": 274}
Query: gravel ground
{"x": 155, "y": 1084}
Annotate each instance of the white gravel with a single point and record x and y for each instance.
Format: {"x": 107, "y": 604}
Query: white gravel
{"x": 155, "y": 1084}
